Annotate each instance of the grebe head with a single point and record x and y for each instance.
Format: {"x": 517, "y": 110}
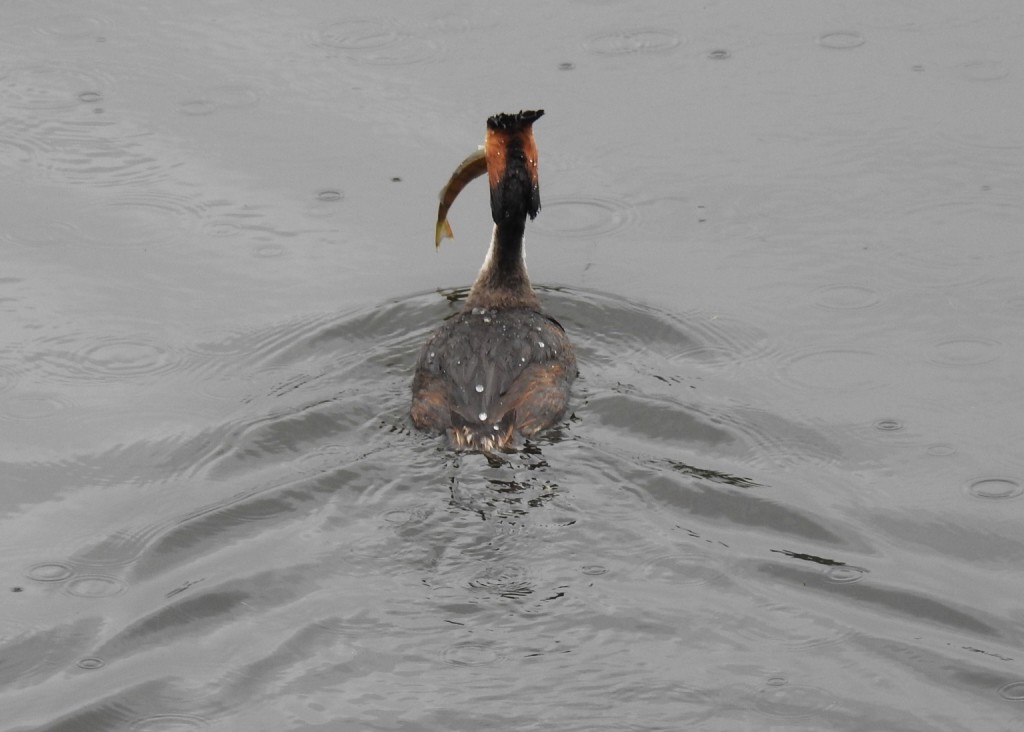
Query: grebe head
{"x": 511, "y": 155}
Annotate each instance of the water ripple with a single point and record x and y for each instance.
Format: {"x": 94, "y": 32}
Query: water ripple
{"x": 32, "y": 406}
{"x": 470, "y": 653}
{"x": 785, "y": 700}
{"x": 74, "y": 26}
{"x": 95, "y": 586}
{"x": 841, "y": 40}
{"x": 169, "y": 723}
{"x": 584, "y": 216}
{"x": 47, "y": 86}
{"x": 995, "y": 488}
{"x": 847, "y": 297}
{"x": 680, "y": 569}
{"x": 50, "y": 572}
{"x": 503, "y": 581}
{"x": 836, "y": 370}
{"x": 73, "y": 358}
{"x": 377, "y": 41}
{"x": 632, "y": 41}
{"x": 967, "y": 351}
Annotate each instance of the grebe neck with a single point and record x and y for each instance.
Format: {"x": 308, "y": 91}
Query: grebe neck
{"x": 503, "y": 281}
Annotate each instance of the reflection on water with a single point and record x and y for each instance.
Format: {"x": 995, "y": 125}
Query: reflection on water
{"x": 786, "y": 494}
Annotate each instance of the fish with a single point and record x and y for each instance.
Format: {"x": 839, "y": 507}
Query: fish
{"x": 469, "y": 169}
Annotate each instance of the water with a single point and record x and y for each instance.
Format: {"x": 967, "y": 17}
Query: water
{"x": 784, "y": 237}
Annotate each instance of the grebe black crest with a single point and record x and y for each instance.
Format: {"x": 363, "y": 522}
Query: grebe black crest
{"x": 501, "y": 369}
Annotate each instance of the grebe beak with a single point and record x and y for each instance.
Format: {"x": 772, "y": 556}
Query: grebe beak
{"x": 472, "y": 167}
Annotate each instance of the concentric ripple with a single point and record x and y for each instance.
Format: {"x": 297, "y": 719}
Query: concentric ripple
{"x": 995, "y": 488}
{"x": 680, "y": 569}
{"x": 101, "y": 154}
{"x": 377, "y": 41}
{"x": 32, "y": 406}
{"x": 470, "y": 653}
{"x": 584, "y": 216}
{"x": 169, "y": 723}
{"x": 967, "y": 351}
{"x": 845, "y": 574}
{"x": 46, "y": 87}
{"x": 837, "y": 370}
{"x": 1013, "y": 691}
{"x": 74, "y": 26}
{"x": 94, "y": 586}
{"x": 50, "y": 572}
{"x": 984, "y": 70}
{"x": 637, "y": 40}
{"x": 841, "y": 40}
{"x": 505, "y": 581}
{"x": 847, "y": 297}
{"x": 785, "y": 700}
{"x": 112, "y": 358}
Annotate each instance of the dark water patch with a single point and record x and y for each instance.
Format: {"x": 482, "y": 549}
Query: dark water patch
{"x": 989, "y": 544}
{"x": 948, "y": 664}
{"x": 893, "y": 601}
{"x": 656, "y": 420}
{"x": 32, "y": 655}
{"x": 736, "y": 507}
{"x": 204, "y": 609}
{"x": 237, "y": 518}
{"x": 836, "y": 570}
{"x": 146, "y": 706}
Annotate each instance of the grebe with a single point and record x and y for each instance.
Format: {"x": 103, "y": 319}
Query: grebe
{"x": 501, "y": 369}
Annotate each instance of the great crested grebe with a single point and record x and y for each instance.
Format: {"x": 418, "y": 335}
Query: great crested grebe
{"x": 500, "y": 369}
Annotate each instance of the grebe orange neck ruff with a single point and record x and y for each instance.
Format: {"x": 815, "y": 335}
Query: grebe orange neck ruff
{"x": 501, "y": 369}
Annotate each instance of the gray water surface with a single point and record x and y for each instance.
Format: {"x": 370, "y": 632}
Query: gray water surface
{"x": 785, "y": 237}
